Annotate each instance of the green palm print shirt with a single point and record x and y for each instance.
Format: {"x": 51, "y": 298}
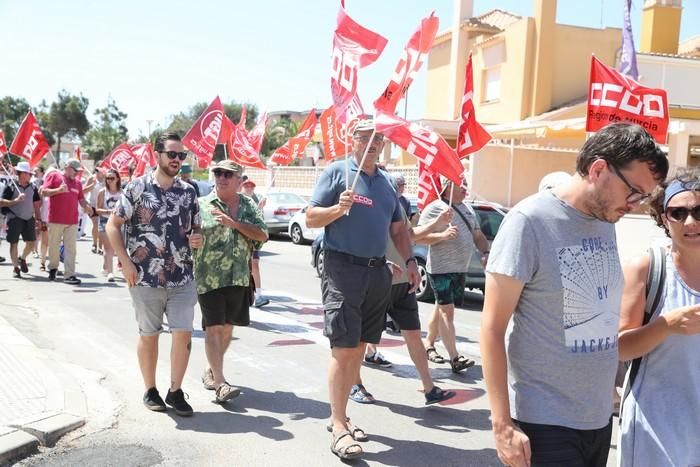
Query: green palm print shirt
{"x": 223, "y": 259}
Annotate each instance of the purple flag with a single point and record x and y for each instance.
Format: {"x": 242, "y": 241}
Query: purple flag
{"x": 628, "y": 59}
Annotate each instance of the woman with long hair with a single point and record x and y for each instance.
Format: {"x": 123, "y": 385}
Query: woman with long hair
{"x": 106, "y": 201}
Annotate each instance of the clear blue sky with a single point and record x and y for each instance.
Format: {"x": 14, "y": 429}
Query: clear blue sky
{"x": 156, "y": 58}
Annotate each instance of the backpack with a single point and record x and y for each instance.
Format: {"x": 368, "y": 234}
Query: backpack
{"x": 656, "y": 279}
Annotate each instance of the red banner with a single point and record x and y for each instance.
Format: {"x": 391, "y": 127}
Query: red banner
{"x": 120, "y": 158}
{"x": 201, "y": 139}
{"x": 429, "y": 186}
{"x": 414, "y": 55}
{"x": 145, "y": 156}
{"x": 294, "y": 147}
{"x": 226, "y": 129}
{"x": 613, "y": 97}
{"x": 472, "y": 136}
{"x": 426, "y": 145}
{"x": 336, "y": 141}
{"x": 354, "y": 47}
{"x": 29, "y": 142}
{"x": 257, "y": 134}
{"x": 241, "y": 151}
{"x": 3, "y": 145}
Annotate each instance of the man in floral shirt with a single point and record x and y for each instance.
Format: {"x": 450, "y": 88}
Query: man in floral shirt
{"x": 233, "y": 227}
{"x": 162, "y": 225}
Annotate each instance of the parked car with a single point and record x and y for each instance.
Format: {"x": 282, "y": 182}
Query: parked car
{"x": 279, "y": 209}
{"x": 489, "y": 221}
{"x": 298, "y": 231}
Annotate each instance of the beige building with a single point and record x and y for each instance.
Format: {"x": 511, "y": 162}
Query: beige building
{"x": 530, "y": 83}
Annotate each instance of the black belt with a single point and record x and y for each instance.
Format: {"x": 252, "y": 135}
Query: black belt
{"x": 359, "y": 260}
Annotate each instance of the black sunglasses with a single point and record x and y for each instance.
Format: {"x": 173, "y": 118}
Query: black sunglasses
{"x": 172, "y": 155}
{"x": 110, "y": 179}
{"x": 680, "y": 213}
{"x": 223, "y": 173}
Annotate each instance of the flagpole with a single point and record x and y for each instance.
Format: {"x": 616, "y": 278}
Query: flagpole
{"x": 345, "y": 142}
{"x": 362, "y": 161}
{"x": 484, "y": 200}
{"x": 12, "y": 179}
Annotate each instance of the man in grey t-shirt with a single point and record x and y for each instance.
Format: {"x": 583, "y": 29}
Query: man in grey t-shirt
{"x": 449, "y": 254}
{"x": 551, "y": 310}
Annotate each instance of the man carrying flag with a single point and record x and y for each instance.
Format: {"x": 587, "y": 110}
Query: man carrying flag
{"x": 356, "y": 284}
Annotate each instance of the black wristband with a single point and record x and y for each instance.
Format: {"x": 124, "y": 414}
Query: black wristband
{"x": 412, "y": 258}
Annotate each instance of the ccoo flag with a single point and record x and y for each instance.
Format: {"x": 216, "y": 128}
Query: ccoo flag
{"x": 30, "y": 143}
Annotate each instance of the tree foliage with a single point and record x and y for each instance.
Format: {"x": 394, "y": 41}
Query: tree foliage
{"x": 108, "y": 131}
{"x": 277, "y": 134}
{"x": 68, "y": 115}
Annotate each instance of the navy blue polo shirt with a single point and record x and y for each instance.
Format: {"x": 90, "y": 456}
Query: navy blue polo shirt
{"x": 365, "y": 231}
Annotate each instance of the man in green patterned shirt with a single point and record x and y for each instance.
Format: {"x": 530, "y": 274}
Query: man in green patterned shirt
{"x": 232, "y": 226}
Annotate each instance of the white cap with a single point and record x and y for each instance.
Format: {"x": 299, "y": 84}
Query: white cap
{"x": 23, "y": 167}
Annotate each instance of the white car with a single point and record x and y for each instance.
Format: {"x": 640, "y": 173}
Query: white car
{"x": 279, "y": 209}
{"x": 298, "y": 231}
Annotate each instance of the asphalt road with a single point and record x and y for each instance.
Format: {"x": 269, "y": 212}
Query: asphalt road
{"x": 279, "y": 362}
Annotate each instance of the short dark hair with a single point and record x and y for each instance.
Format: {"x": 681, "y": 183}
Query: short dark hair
{"x": 167, "y": 136}
{"x": 688, "y": 176}
{"x": 620, "y": 144}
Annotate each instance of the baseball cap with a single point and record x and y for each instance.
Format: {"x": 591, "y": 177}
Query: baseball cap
{"x": 365, "y": 124}
{"x": 185, "y": 168}
{"x": 23, "y": 167}
{"x": 73, "y": 164}
{"x": 229, "y": 165}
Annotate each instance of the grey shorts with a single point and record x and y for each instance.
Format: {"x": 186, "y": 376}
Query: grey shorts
{"x": 150, "y": 304}
{"x": 355, "y": 301}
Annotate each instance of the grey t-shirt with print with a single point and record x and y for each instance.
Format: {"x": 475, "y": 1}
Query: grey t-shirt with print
{"x": 562, "y": 339}
{"x": 453, "y": 255}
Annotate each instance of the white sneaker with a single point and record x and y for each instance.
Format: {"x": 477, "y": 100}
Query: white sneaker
{"x": 110, "y": 277}
{"x": 104, "y": 272}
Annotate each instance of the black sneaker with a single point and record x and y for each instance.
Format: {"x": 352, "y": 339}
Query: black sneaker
{"x": 438, "y": 395}
{"x": 153, "y": 401}
{"x": 16, "y": 273}
{"x": 23, "y": 265}
{"x": 52, "y": 274}
{"x": 377, "y": 359}
{"x": 2, "y": 259}
{"x": 177, "y": 401}
{"x": 72, "y": 280}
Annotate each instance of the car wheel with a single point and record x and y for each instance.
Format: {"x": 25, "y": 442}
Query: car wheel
{"x": 296, "y": 234}
{"x": 319, "y": 262}
{"x": 423, "y": 292}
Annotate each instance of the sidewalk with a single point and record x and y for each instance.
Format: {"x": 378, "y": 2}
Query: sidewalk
{"x": 37, "y": 408}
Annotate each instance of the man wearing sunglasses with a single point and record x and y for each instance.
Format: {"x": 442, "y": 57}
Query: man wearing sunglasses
{"x": 356, "y": 283}
{"x": 552, "y": 303}
{"x": 163, "y": 225}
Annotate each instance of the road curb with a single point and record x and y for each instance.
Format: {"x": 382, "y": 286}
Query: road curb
{"x": 15, "y": 444}
{"x": 47, "y": 430}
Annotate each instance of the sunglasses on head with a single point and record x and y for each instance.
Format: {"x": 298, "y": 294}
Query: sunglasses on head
{"x": 680, "y": 213}
{"x": 172, "y": 155}
{"x": 223, "y": 173}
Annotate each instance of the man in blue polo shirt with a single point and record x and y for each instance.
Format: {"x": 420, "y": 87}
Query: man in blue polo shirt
{"x": 356, "y": 283}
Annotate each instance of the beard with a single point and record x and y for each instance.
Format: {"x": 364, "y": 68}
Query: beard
{"x": 167, "y": 168}
{"x": 602, "y": 208}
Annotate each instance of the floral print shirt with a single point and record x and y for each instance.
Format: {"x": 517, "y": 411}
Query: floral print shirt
{"x": 157, "y": 225}
{"x": 223, "y": 260}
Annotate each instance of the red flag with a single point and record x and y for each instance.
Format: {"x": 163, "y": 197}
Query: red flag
{"x": 424, "y": 144}
{"x": 201, "y": 139}
{"x": 145, "y": 156}
{"x": 294, "y": 147}
{"x": 29, "y": 142}
{"x": 472, "y": 136}
{"x": 335, "y": 136}
{"x": 257, "y": 134}
{"x": 76, "y": 154}
{"x": 429, "y": 186}
{"x": 241, "y": 122}
{"x": 414, "y": 55}
{"x": 613, "y": 97}
{"x": 226, "y": 129}
{"x": 354, "y": 47}
{"x": 241, "y": 151}
{"x": 120, "y": 158}
{"x": 3, "y": 145}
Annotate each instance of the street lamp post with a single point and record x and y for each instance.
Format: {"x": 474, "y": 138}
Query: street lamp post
{"x": 149, "y": 128}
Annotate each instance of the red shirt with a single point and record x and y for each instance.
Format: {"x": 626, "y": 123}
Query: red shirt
{"x": 63, "y": 207}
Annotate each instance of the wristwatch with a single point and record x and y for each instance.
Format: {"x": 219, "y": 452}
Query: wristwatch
{"x": 411, "y": 258}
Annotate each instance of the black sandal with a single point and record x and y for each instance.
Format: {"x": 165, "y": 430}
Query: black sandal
{"x": 434, "y": 356}
{"x": 460, "y": 362}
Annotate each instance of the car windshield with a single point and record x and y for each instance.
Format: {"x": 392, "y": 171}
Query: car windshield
{"x": 286, "y": 198}
{"x": 489, "y": 221}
